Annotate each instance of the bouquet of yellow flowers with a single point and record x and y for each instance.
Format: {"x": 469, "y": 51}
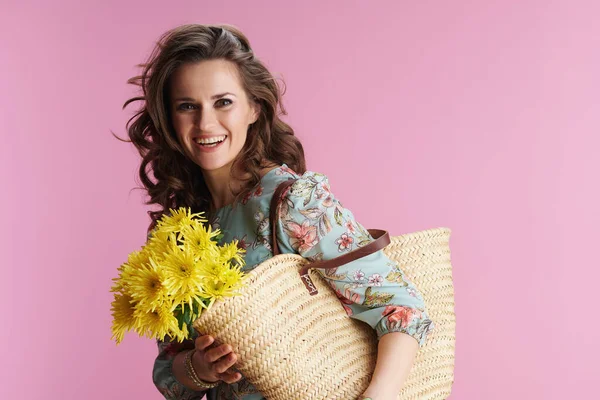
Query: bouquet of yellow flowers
{"x": 178, "y": 273}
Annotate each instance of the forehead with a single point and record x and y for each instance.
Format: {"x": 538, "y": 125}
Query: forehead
{"x": 206, "y": 78}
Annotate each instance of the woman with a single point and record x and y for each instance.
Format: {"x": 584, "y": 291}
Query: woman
{"x": 210, "y": 132}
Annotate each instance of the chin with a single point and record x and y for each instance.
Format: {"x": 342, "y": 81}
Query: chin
{"x": 214, "y": 165}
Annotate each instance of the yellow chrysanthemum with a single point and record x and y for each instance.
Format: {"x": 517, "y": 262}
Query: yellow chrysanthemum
{"x": 220, "y": 279}
{"x": 178, "y": 219}
{"x": 181, "y": 266}
{"x": 120, "y": 284}
{"x": 137, "y": 259}
{"x": 180, "y": 334}
{"x": 155, "y": 324}
{"x": 231, "y": 252}
{"x": 199, "y": 238}
{"x": 146, "y": 286}
{"x": 159, "y": 243}
{"x": 122, "y": 310}
{"x": 183, "y": 279}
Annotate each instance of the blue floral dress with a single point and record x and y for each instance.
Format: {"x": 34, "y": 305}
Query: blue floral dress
{"x": 314, "y": 224}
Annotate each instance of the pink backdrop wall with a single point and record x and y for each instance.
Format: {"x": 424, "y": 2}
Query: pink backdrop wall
{"x": 479, "y": 116}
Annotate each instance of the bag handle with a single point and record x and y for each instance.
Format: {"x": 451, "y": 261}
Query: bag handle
{"x": 381, "y": 240}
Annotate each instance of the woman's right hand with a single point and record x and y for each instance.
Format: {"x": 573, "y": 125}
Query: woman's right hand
{"x": 214, "y": 363}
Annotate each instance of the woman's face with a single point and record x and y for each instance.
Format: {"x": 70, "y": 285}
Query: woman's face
{"x": 211, "y": 112}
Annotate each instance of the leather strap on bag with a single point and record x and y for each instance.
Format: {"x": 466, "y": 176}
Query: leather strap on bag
{"x": 381, "y": 239}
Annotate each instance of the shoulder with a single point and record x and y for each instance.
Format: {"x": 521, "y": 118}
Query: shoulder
{"x": 308, "y": 186}
{"x": 310, "y": 198}
{"x": 278, "y": 175}
{"x": 314, "y": 221}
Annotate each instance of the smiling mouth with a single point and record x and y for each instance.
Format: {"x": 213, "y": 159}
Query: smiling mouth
{"x": 210, "y": 144}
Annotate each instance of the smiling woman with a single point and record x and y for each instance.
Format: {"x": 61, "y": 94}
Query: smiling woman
{"x": 211, "y": 127}
{"x": 211, "y": 139}
{"x": 200, "y": 83}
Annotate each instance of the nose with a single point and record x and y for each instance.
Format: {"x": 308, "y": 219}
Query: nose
{"x": 206, "y": 120}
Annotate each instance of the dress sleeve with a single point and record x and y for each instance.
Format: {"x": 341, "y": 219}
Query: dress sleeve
{"x": 373, "y": 289}
{"x": 162, "y": 373}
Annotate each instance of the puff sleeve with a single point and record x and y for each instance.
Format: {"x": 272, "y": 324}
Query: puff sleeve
{"x": 373, "y": 289}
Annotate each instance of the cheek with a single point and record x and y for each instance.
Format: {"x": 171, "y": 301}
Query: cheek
{"x": 180, "y": 125}
{"x": 237, "y": 123}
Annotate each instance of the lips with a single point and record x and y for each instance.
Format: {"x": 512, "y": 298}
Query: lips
{"x": 209, "y": 147}
{"x": 206, "y": 140}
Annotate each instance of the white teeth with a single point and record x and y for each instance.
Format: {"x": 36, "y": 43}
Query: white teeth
{"x": 211, "y": 140}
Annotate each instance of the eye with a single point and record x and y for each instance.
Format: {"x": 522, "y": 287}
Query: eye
{"x": 224, "y": 102}
{"x": 186, "y": 106}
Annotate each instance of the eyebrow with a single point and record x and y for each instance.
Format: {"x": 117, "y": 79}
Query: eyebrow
{"x": 215, "y": 97}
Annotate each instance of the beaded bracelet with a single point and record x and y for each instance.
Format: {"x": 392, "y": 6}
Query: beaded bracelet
{"x": 191, "y": 373}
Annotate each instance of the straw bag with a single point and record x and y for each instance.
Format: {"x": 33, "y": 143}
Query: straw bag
{"x": 295, "y": 341}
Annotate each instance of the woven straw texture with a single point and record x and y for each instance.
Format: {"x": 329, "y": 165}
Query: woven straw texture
{"x": 291, "y": 345}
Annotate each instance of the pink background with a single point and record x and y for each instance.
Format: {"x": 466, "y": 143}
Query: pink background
{"x": 479, "y": 116}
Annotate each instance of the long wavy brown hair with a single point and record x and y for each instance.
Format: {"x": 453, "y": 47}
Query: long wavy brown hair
{"x": 170, "y": 178}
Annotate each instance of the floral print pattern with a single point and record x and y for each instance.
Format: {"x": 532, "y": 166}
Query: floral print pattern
{"x": 400, "y": 315}
{"x": 313, "y": 223}
{"x": 344, "y": 242}
{"x": 302, "y": 237}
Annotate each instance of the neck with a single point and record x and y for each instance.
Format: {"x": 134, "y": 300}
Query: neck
{"x": 222, "y": 186}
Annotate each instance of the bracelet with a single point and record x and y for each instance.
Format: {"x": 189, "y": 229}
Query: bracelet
{"x": 191, "y": 373}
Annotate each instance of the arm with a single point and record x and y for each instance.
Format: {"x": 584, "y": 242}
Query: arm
{"x": 373, "y": 289}
{"x": 395, "y": 355}
{"x": 168, "y": 373}
{"x": 179, "y": 372}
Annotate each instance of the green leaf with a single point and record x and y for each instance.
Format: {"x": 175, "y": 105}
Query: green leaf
{"x": 304, "y": 189}
{"x": 195, "y": 311}
{"x": 180, "y": 321}
{"x": 187, "y": 314}
{"x": 324, "y": 225}
{"x": 396, "y": 277}
{"x": 364, "y": 241}
{"x": 312, "y": 213}
{"x": 337, "y": 214}
{"x": 362, "y": 229}
{"x": 377, "y": 299}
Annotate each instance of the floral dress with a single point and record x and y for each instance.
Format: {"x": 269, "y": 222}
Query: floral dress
{"x": 314, "y": 224}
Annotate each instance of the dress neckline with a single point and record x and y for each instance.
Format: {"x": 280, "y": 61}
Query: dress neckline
{"x": 270, "y": 172}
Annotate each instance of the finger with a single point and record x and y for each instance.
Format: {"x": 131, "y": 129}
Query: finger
{"x": 225, "y": 363}
{"x": 213, "y": 355}
{"x": 230, "y": 376}
{"x": 203, "y": 342}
